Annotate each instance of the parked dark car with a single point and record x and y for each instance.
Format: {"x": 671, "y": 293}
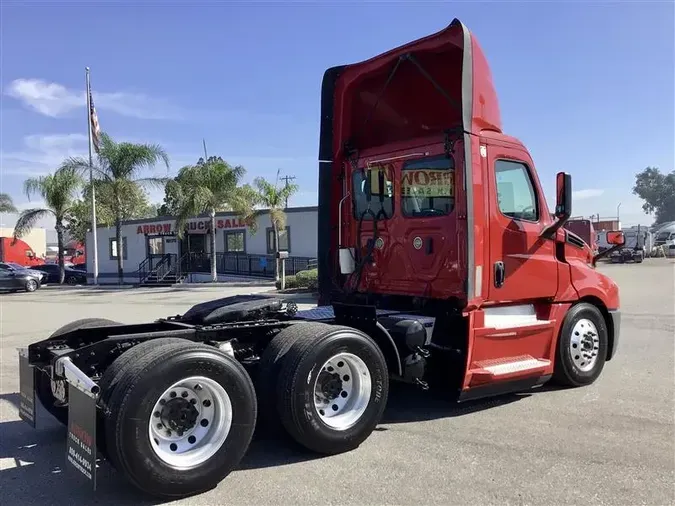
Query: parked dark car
{"x": 18, "y": 280}
{"x": 73, "y": 276}
{"x": 14, "y": 267}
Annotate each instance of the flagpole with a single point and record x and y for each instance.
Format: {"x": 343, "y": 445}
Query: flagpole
{"x": 91, "y": 182}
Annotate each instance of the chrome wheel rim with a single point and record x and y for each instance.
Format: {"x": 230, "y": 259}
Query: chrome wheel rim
{"x": 584, "y": 345}
{"x": 342, "y": 391}
{"x": 190, "y": 422}
{"x": 31, "y": 286}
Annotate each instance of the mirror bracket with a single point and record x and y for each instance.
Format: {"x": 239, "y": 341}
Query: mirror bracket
{"x": 605, "y": 253}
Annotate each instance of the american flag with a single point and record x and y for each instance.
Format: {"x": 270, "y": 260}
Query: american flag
{"x": 95, "y": 129}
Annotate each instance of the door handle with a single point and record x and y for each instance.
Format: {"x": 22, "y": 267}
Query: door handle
{"x": 500, "y": 274}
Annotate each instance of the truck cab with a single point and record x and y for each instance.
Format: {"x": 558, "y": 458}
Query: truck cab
{"x": 434, "y": 208}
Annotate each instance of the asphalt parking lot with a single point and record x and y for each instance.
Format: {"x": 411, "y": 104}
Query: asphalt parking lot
{"x": 610, "y": 443}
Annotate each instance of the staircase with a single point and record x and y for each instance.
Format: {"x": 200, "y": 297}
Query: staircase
{"x": 161, "y": 271}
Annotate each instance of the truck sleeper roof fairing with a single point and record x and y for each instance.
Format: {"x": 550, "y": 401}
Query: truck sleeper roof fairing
{"x": 419, "y": 89}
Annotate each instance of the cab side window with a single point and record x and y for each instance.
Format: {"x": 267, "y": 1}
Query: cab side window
{"x": 515, "y": 191}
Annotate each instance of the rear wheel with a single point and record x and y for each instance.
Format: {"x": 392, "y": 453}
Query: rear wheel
{"x": 114, "y": 373}
{"x": 582, "y": 346}
{"x": 328, "y": 385}
{"x": 180, "y": 419}
{"x": 44, "y": 387}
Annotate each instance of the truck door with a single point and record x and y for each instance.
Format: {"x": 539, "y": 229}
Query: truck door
{"x": 511, "y": 336}
{"x": 522, "y": 263}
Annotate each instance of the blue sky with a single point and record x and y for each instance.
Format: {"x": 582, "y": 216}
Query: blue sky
{"x": 587, "y": 87}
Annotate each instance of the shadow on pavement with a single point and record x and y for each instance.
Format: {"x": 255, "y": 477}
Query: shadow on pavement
{"x": 33, "y": 469}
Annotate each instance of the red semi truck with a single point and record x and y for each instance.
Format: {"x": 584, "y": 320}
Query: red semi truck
{"x": 439, "y": 265}
{"x": 17, "y": 251}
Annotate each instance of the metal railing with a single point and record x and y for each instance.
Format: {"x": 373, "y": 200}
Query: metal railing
{"x": 243, "y": 264}
{"x": 157, "y": 268}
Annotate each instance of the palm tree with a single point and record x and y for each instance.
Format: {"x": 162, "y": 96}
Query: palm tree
{"x": 6, "y": 204}
{"x": 118, "y": 169}
{"x": 59, "y": 194}
{"x": 274, "y": 199}
{"x": 208, "y": 187}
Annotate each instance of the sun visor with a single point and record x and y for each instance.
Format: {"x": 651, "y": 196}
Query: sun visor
{"x": 425, "y": 87}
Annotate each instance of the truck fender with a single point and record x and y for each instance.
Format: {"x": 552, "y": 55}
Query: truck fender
{"x": 383, "y": 338}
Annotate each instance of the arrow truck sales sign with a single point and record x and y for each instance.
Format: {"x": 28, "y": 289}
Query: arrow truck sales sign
{"x": 428, "y": 183}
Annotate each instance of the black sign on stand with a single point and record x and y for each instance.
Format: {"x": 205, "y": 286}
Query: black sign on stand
{"x": 81, "y": 444}
{"x": 26, "y": 390}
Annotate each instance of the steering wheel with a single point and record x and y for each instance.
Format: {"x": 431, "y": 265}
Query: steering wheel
{"x": 431, "y": 212}
{"x": 527, "y": 212}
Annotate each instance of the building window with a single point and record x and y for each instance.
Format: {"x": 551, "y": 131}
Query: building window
{"x": 235, "y": 241}
{"x": 428, "y": 186}
{"x": 155, "y": 246}
{"x": 284, "y": 240}
{"x": 113, "y": 248}
{"x": 515, "y": 191}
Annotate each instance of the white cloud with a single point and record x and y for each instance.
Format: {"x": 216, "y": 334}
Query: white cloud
{"x": 586, "y": 194}
{"x": 55, "y": 100}
{"x": 42, "y": 154}
{"x": 9, "y": 220}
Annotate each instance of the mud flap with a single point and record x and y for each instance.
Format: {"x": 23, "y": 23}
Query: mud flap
{"x": 81, "y": 444}
{"x": 26, "y": 389}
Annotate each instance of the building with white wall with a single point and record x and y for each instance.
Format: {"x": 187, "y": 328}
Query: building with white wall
{"x": 239, "y": 250}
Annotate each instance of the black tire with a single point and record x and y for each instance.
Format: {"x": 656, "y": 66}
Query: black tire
{"x": 269, "y": 368}
{"x": 112, "y": 376}
{"x": 301, "y": 351}
{"x": 72, "y": 281}
{"x": 142, "y": 382}
{"x": 43, "y": 388}
{"x": 566, "y": 371}
{"x": 31, "y": 285}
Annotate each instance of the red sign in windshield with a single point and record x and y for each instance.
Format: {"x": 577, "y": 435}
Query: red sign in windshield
{"x": 428, "y": 183}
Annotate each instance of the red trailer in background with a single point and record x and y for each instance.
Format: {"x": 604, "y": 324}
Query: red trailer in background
{"x": 585, "y": 230}
{"x": 18, "y": 251}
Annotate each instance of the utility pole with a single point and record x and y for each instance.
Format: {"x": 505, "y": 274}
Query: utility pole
{"x": 287, "y": 179}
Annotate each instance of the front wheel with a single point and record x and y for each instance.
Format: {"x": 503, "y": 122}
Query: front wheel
{"x": 180, "y": 418}
{"x": 329, "y": 385}
{"x": 31, "y": 285}
{"x": 582, "y": 346}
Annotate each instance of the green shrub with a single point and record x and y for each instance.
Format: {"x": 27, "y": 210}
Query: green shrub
{"x": 291, "y": 282}
{"x": 303, "y": 279}
{"x": 308, "y": 279}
